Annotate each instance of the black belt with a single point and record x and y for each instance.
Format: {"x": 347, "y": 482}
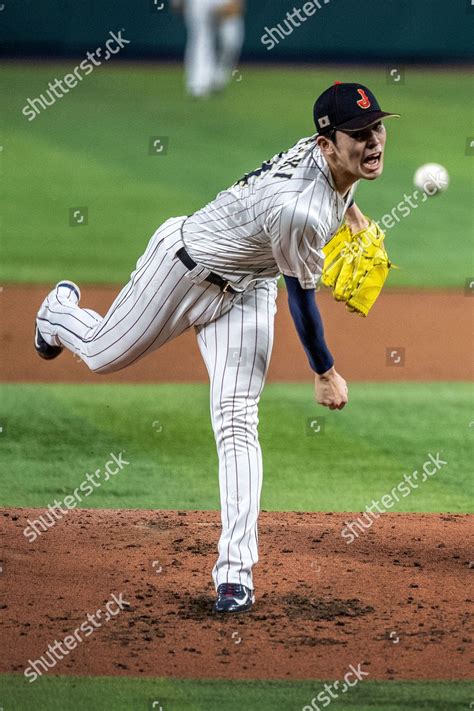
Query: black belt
{"x": 213, "y": 278}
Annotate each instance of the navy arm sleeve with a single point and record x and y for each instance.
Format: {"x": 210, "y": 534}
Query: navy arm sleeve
{"x": 309, "y": 325}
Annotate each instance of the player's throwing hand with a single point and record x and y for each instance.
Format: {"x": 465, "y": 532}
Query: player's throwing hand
{"x": 331, "y": 390}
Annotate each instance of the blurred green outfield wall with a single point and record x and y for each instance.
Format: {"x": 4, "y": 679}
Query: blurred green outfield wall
{"x": 346, "y": 30}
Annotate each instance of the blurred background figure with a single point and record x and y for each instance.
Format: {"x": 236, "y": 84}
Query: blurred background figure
{"x": 215, "y": 37}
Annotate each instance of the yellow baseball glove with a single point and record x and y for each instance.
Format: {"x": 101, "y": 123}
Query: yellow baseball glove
{"x": 356, "y": 267}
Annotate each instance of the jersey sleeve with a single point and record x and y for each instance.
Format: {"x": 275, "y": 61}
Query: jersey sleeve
{"x": 309, "y": 325}
{"x": 297, "y": 239}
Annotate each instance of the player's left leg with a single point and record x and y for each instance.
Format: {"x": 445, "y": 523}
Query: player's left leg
{"x": 162, "y": 299}
{"x": 231, "y": 31}
{"x": 236, "y": 348}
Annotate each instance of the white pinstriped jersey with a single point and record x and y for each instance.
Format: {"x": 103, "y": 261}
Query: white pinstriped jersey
{"x": 274, "y": 220}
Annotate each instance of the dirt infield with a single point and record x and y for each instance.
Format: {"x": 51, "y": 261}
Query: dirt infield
{"x": 396, "y": 601}
{"x": 429, "y": 333}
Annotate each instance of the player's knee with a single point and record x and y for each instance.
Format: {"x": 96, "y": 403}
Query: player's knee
{"x": 97, "y": 365}
{"x": 237, "y": 419}
{"x": 93, "y": 366}
{"x": 238, "y": 407}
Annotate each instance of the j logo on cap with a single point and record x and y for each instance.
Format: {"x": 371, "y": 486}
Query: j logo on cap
{"x": 364, "y": 103}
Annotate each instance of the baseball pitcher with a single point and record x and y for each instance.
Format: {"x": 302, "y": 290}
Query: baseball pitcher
{"x": 216, "y": 271}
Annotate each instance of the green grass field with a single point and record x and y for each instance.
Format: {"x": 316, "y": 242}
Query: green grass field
{"x": 54, "y": 435}
{"x": 90, "y": 149}
{"x": 128, "y": 694}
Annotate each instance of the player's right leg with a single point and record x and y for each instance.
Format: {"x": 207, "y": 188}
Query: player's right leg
{"x": 200, "y": 59}
{"x": 162, "y": 299}
{"x": 236, "y": 348}
{"x": 231, "y": 30}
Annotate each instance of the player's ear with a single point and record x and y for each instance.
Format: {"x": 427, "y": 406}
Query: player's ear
{"x": 326, "y": 145}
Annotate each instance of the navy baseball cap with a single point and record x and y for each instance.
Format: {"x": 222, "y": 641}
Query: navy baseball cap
{"x": 347, "y": 107}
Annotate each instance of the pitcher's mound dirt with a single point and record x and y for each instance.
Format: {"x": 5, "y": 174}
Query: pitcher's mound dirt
{"x": 396, "y": 600}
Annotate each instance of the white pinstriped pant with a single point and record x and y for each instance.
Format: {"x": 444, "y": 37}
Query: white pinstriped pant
{"x": 235, "y": 337}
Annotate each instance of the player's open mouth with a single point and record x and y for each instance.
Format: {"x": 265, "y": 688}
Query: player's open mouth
{"x": 373, "y": 160}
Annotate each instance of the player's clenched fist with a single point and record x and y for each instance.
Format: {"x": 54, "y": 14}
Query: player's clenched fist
{"x": 331, "y": 390}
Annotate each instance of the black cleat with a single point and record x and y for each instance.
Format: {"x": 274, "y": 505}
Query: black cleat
{"x": 232, "y": 597}
{"x": 43, "y": 349}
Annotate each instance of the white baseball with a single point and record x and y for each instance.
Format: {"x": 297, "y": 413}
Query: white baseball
{"x": 432, "y": 178}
